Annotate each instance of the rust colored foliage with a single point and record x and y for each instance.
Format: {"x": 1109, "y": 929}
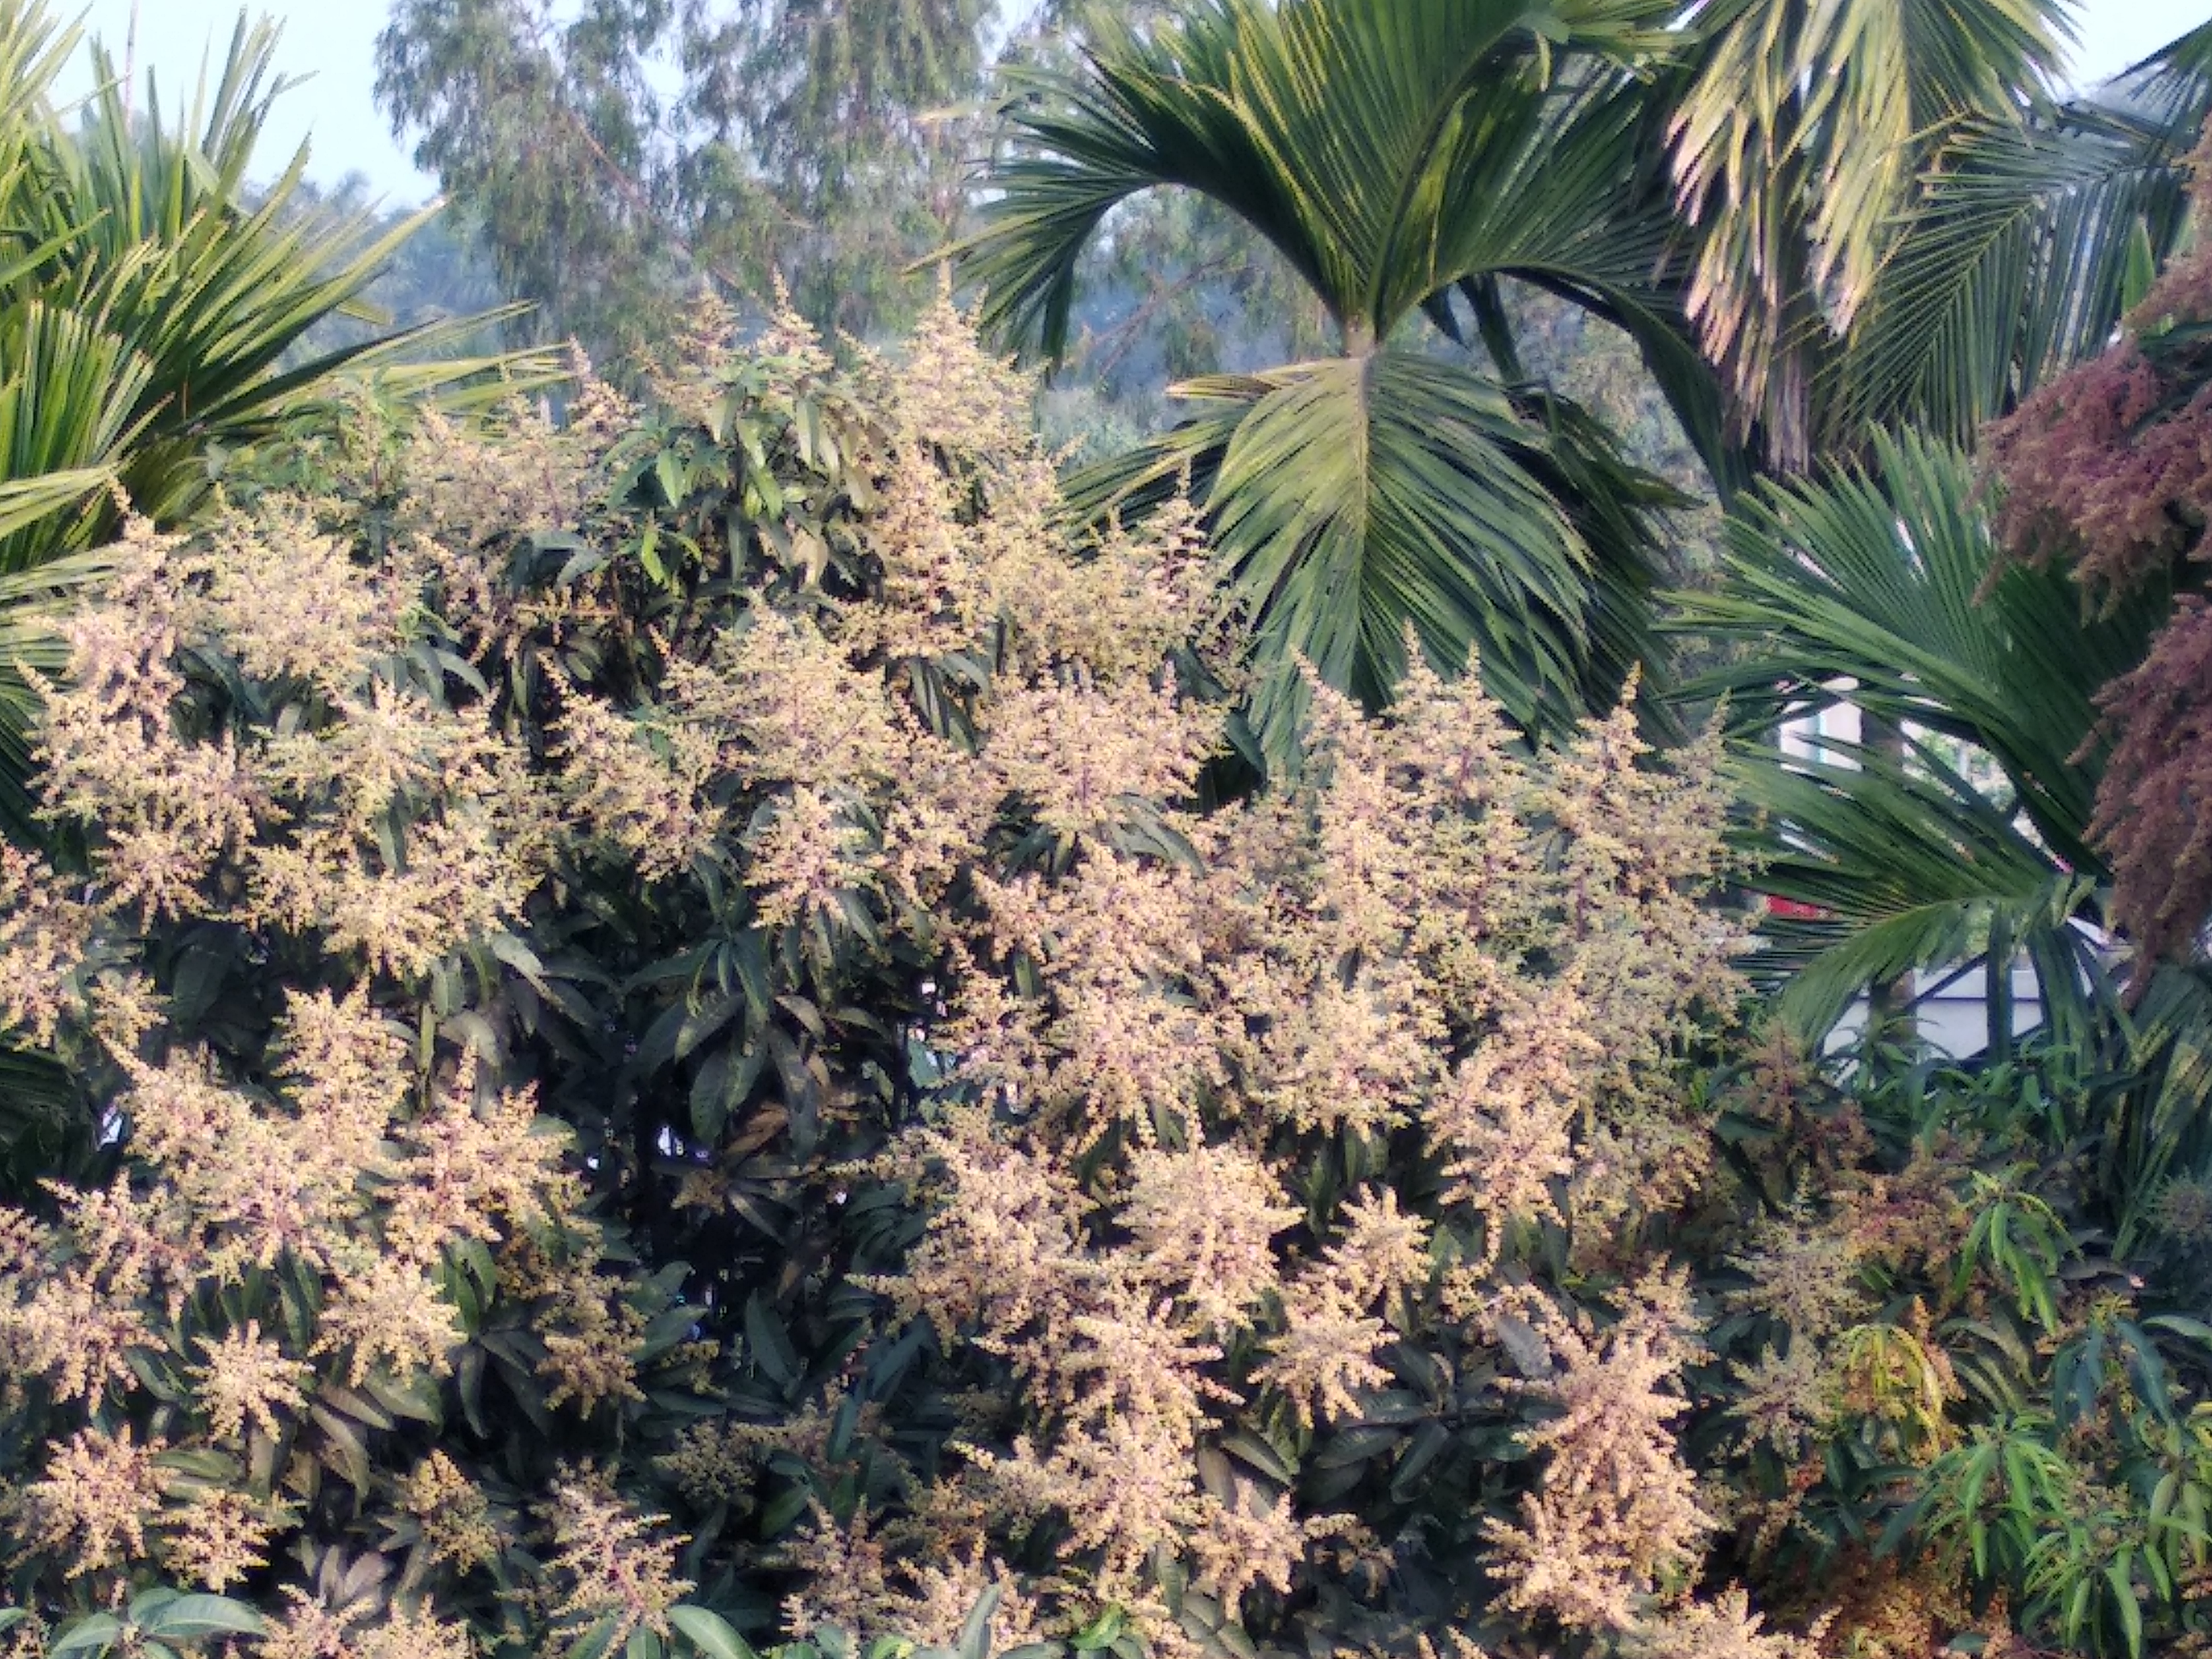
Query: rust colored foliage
{"x": 2109, "y": 467}
{"x": 2150, "y": 806}
{"x": 2103, "y": 467}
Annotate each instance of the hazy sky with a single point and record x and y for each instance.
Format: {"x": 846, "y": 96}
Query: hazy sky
{"x": 334, "y": 43}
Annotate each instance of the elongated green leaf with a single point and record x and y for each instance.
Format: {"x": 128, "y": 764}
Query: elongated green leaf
{"x": 29, "y": 501}
{"x": 709, "y": 1633}
{"x": 190, "y": 1617}
{"x": 94, "y": 1633}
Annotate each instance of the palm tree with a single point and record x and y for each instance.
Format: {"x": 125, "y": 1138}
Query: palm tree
{"x": 1880, "y": 584}
{"x": 1803, "y": 141}
{"x": 1877, "y": 587}
{"x": 1402, "y": 159}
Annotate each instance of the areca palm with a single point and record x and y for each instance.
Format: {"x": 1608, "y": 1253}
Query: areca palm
{"x": 1760, "y": 195}
{"x": 1395, "y": 156}
{"x": 1803, "y": 141}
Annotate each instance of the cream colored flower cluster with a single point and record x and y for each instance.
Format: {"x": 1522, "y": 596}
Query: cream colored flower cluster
{"x": 1426, "y": 936}
{"x": 333, "y": 1207}
{"x": 279, "y": 1248}
{"x": 1244, "y": 1103}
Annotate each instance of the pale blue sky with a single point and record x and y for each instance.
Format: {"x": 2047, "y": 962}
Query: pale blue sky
{"x": 333, "y": 42}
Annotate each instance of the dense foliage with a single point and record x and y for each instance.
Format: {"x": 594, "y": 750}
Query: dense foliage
{"x": 675, "y": 1026}
{"x": 154, "y": 319}
{"x": 705, "y": 1016}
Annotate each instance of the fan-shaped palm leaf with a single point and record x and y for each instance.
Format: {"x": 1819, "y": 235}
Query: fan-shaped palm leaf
{"x": 1909, "y": 866}
{"x": 1872, "y": 589}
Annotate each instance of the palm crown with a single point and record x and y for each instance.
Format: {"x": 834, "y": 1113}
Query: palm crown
{"x": 1399, "y": 158}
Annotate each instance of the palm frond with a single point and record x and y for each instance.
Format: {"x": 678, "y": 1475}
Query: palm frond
{"x": 1872, "y": 588}
{"x": 2172, "y": 86}
{"x": 1354, "y": 497}
{"x": 1385, "y": 152}
{"x": 2013, "y": 264}
{"x": 1796, "y": 145}
{"x": 186, "y": 290}
{"x": 69, "y": 401}
{"x": 1880, "y": 587}
{"x": 1383, "y": 528}
{"x": 2015, "y": 256}
{"x": 24, "y": 501}
{"x": 1911, "y": 867}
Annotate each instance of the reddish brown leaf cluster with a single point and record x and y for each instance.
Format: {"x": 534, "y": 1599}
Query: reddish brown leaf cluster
{"x": 2151, "y": 807}
{"x": 2102, "y": 467}
{"x": 2110, "y": 468}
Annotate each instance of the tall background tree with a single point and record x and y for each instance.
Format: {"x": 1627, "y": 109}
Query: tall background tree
{"x": 858, "y": 122}
{"x": 549, "y": 133}
{"x": 617, "y": 155}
